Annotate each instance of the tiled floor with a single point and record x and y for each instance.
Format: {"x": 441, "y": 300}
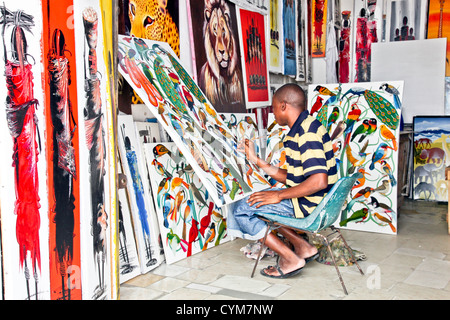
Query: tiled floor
{"x": 414, "y": 264}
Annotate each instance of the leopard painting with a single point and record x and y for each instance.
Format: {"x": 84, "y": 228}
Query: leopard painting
{"x": 150, "y": 19}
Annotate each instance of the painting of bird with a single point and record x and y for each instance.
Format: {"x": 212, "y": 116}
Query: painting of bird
{"x": 250, "y": 121}
{"x": 389, "y": 135}
{"x": 357, "y": 216}
{"x": 392, "y": 90}
{"x": 362, "y": 180}
{"x": 163, "y": 185}
{"x": 356, "y": 160}
{"x": 315, "y": 107}
{"x": 205, "y": 221}
{"x": 334, "y": 116}
{"x": 368, "y": 127}
{"x": 388, "y": 170}
{"x": 167, "y": 208}
{"x": 379, "y": 154}
{"x": 193, "y": 236}
{"x": 382, "y": 108}
{"x": 177, "y": 182}
{"x": 383, "y": 214}
{"x": 209, "y": 236}
{"x": 324, "y": 91}
{"x": 160, "y": 168}
{"x": 361, "y": 130}
{"x": 338, "y": 131}
{"x": 198, "y": 196}
{"x": 190, "y": 103}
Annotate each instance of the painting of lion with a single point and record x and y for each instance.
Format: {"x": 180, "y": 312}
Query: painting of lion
{"x": 217, "y": 54}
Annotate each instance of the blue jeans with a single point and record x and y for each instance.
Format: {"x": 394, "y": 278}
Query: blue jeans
{"x": 243, "y": 223}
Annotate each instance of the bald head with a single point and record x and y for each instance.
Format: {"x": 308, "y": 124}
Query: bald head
{"x": 291, "y": 94}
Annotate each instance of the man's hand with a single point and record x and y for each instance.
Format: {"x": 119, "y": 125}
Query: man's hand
{"x": 247, "y": 147}
{"x": 264, "y": 197}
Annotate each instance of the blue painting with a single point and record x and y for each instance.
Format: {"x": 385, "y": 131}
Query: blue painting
{"x": 431, "y": 156}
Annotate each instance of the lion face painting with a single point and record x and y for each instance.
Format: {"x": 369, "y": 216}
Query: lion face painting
{"x": 220, "y": 77}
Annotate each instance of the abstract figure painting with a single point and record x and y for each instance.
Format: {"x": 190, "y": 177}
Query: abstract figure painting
{"x": 253, "y": 47}
{"x": 289, "y": 37}
{"x": 439, "y": 25}
{"x": 189, "y": 220}
{"x": 217, "y": 54}
{"x": 368, "y": 31}
{"x": 145, "y": 227}
{"x": 24, "y": 168}
{"x": 63, "y": 183}
{"x": 407, "y": 20}
{"x": 191, "y": 121}
{"x": 128, "y": 256}
{"x": 363, "y": 121}
{"x": 344, "y": 47}
{"x": 301, "y": 32}
{"x": 431, "y": 157}
{"x": 318, "y": 32}
{"x": 275, "y": 35}
{"x": 95, "y": 153}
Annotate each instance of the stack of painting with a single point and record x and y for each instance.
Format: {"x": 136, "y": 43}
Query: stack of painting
{"x": 178, "y": 104}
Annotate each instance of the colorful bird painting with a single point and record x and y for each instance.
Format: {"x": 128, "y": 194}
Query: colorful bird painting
{"x": 361, "y": 130}
{"x": 250, "y": 121}
{"x": 209, "y": 236}
{"x": 388, "y": 170}
{"x": 379, "y": 154}
{"x": 392, "y": 90}
{"x": 389, "y": 135}
{"x": 193, "y": 236}
{"x": 160, "y": 168}
{"x": 382, "y": 108}
{"x": 334, "y": 116}
{"x": 190, "y": 103}
{"x": 356, "y": 160}
{"x": 368, "y": 127}
{"x": 362, "y": 180}
{"x": 324, "y": 91}
{"x": 357, "y": 216}
{"x": 205, "y": 221}
{"x": 316, "y": 106}
{"x": 383, "y": 214}
{"x": 177, "y": 182}
{"x": 167, "y": 208}
{"x": 352, "y": 118}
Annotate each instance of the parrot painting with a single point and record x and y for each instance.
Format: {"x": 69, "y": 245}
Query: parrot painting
{"x": 334, "y": 116}
{"x": 382, "y": 108}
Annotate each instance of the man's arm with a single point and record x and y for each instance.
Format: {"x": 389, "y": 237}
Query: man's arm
{"x": 275, "y": 172}
{"x": 311, "y": 185}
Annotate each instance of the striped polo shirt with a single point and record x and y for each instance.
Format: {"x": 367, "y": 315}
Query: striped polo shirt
{"x": 308, "y": 151}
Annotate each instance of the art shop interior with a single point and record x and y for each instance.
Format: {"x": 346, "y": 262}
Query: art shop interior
{"x": 120, "y": 162}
